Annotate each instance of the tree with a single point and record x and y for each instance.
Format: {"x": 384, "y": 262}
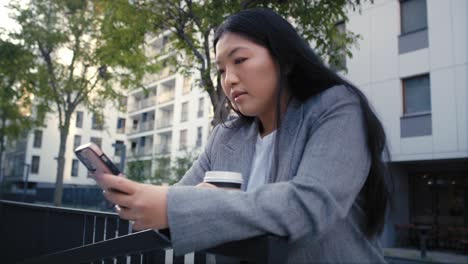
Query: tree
{"x": 101, "y": 56}
{"x": 192, "y": 23}
{"x": 16, "y": 86}
{"x": 166, "y": 172}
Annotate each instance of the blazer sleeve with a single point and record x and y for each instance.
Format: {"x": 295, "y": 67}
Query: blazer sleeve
{"x": 334, "y": 166}
{"x": 196, "y": 173}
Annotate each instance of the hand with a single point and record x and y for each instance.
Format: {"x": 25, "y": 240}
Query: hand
{"x": 144, "y": 204}
{"x": 206, "y": 185}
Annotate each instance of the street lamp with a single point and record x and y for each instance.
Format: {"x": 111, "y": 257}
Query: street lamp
{"x": 25, "y": 180}
{"x": 123, "y": 154}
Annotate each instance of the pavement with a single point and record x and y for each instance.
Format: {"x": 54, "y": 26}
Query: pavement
{"x": 431, "y": 256}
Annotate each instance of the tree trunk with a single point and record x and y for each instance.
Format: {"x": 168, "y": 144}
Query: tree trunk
{"x": 61, "y": 161}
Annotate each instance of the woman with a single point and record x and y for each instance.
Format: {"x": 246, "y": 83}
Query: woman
{"x": 322, "y": 186}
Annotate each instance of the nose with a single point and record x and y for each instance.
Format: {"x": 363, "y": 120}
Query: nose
{"x": 230, "y": 78}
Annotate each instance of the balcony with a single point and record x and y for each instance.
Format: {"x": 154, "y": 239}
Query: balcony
{"x": 165, "y": 97}
{"x": 142, "y": 104}
{"x": 62, "y": 235}
{"x": 141, "y": 152}
{"x": 142, "y": 127}
{"x": 163, "y": 149}
{"x": 164, "y": 122}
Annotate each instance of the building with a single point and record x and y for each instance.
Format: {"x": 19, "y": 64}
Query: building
{"x": 169, "y": 118}
{"x": 412, "y": 63}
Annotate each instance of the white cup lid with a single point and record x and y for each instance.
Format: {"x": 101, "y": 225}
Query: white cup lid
{"x": 223, "y": 176}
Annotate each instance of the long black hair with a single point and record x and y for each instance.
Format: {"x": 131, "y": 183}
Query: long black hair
{"x": 305, "y": 75}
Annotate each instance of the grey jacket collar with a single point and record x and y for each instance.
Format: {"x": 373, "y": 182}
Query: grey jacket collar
{"x": 242, "y": 147}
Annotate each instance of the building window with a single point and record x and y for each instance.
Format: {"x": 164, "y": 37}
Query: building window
{"x": 74, "y": 170}
{"x": 413, "y": 15}
{"x": 184, "y": 112}
{"x": 198, "y": 143}
{"x": 76, "y": 141}
{"x": 417, "y": 95}
{"x": 120, "y": 125}
{"x": 338, "y": 49}
{"x": 79, "y": 119}
{"x": 201, "y": 103}
{"x": 35, "y": 164}
{"x": 37, "y": 138}
{"x": 118, "y": 147}
{"x": 97, "y": 122}
{"x": 414, "y": 35}
{"x": 417, "y": 119}
{"x": 97, "y": 141}
{"x": 142, "y": 141}
{"x": 183, "y": 139}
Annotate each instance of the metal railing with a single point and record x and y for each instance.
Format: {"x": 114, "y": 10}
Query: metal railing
{"x": 45, "y": 234}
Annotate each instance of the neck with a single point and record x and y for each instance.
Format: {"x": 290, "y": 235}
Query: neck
{"x": 268, "y": 120}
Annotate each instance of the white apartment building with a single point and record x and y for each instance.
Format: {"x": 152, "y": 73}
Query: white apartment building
{"x": 170, "y": 117}
{"x": 412, "y": 63}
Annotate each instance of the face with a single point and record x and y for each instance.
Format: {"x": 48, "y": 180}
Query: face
{"x": 249, "y": 75}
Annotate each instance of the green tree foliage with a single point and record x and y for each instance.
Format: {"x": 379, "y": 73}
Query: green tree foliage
{"x": 165, "y": 171}
{"x": 16, "y": 88}
{"x": 80, "y": 58}
{"x": 191, "y": 25}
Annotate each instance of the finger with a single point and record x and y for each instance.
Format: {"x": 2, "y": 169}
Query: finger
{"x": 127, "y": 214}
{"x": 118, "y": 198}
{"x": 110, "y": 181}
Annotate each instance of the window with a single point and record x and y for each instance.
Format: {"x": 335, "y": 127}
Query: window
{"x": 199, "y": 137}
{"x": 97, "y": 122}
{"x": 413, "y": 15}
{"x": 183, "y": 139}
{"x": 118, "y": 145}
{"x": 97, "y": 141}
{"x": 74, "y": 170}
{"x": 142, "y": 141}
{"x": 76, "y": 141}
{"x": 184, "y": 112}
{"x": 37, "y": 138}
{"x": 417, "y": 118}
{"x": 338, "y": 51}
{"x": 120, "y": 125}
{"x": 79, "y": 119}
{"x": 35, "y": 164}
{"x": 201, "y": 103}
{"x": 417, "y": 95}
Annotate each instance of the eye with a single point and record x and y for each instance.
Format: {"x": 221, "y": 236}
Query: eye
{"x": 239, "y": 60}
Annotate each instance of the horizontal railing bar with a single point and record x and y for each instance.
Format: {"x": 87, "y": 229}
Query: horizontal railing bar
{"x": 139, "y": 242}
{"x": 68, "y": 210}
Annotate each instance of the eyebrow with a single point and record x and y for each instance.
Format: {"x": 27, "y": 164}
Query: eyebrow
{"x": 232, "y": 52}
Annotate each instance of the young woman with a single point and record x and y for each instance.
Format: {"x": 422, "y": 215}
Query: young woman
{"x": 307, "y": 143}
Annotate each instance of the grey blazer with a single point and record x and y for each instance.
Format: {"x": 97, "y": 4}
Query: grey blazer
{"x": 314, "y": 200}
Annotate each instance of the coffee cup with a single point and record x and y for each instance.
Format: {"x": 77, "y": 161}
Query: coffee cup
{"x": 224, "y": 179}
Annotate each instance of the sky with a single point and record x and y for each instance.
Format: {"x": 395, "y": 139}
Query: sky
{"x": 5, "y": 21}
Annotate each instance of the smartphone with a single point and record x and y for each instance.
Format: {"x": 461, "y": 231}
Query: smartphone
{"x": 95, "y": 160}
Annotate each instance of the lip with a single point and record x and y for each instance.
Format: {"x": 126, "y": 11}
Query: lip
{"x": 236, "y": 94}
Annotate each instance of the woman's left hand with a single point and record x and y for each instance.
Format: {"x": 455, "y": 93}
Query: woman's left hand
{"x": 143, "y": 204}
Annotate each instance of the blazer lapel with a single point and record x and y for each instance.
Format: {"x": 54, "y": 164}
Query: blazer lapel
{"x": 241, "y": 148}
{"x": 288, "y": 132}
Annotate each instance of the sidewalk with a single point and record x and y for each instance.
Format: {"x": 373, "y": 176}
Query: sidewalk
{"x": 431, "y": 257}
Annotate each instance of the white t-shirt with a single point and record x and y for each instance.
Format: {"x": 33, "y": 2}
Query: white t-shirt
{"x": 262, "y": 160}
